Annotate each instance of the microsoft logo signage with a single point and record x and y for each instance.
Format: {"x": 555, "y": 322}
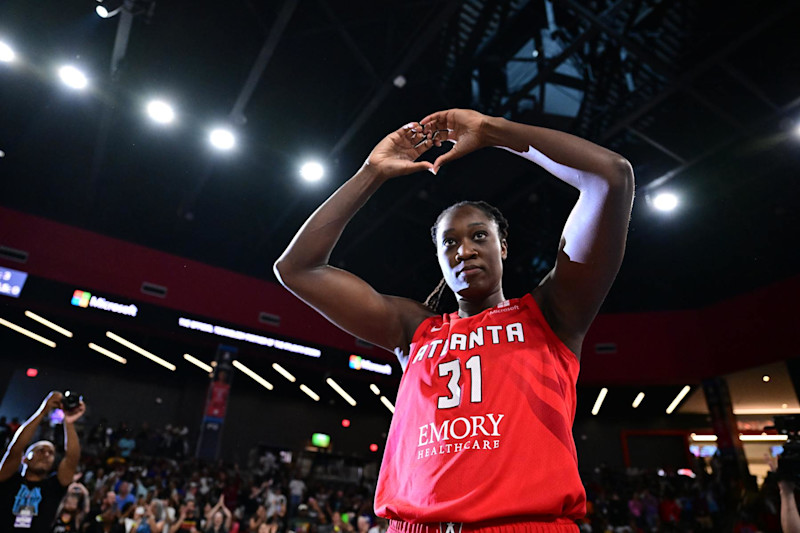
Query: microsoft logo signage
{"x": 359, "y": 363}
{"x": 85, "y": 299}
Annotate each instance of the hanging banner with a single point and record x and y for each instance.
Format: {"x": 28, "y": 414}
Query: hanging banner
{"x": 219, "y": 389}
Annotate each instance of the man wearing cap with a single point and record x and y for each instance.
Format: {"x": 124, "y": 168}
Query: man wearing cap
{"x": 29, "y": 497}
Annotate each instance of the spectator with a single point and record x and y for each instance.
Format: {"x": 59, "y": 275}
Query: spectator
{"x": 29, "y": 500}
{"x": 124, "y": 495}
{"x": 218, "y": 519}
{"x": 187, "y": 519}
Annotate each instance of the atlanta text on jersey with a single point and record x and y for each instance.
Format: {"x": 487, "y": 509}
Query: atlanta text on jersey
{"x": 478, "y": 337}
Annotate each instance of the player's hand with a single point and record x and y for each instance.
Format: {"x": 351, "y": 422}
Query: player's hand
{"x": 53, "y": 401}
{"x": 465, "y": 128}
{"x": 71, "y": 416}
{"x": 397, "y": 154}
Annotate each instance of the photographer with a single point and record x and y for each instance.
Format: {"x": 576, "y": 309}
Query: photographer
{"x": 790, "y": 518}
{"x": 29, "y": 499}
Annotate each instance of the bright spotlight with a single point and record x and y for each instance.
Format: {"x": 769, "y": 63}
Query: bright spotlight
{"x": 665, "y": 201}
{"x": 222, "y": 139}
{"x": 6, "y": 53}
{"x": 102, "y": 11}
{"x": 72, "y": 77}
{"x": 312, "y": 171}
{"x": 797, "y": 130}
{"x": 160, "y": 112}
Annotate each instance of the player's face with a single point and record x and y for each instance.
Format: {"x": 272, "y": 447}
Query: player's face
{"x": 470, "y": 252}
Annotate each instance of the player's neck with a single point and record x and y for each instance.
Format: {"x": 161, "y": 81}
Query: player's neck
{"x": 473, "y": 307}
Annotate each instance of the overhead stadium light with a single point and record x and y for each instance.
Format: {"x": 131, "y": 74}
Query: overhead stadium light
{"x": 103, "y": 11}
{"x": 638, "y": 400}
{"x": 72, "y": 77}
{"x": 222, "y": 139}
{"x": 335, "y": 386}
{"x": 160, "y": 112}
{"x": 197, "y": 362}
{"x": 45, "y": 322}
{"x": 311, "y": 394}
{"x": 374, "y": 388}
{"x": 283, "y": 372}
{"x": 312, "y": 171}
{"x": 27, "y": 333}
{"x": 599, "y": 401}
{"x": 255, "y": 377}
{"x": 385, "y": 401}
{"x": 7, "y": 54}
{"x": 684, "y": 391}
{"x": 107, "y": 353}
{"x": 665, "y": 201}
{"x": 141, "y": 351}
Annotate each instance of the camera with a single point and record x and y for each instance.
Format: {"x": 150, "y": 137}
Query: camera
{"x": 789, "y": 460}
{"x": 71, "y": 400}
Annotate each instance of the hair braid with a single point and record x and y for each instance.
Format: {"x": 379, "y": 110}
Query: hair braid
{"x": 434, "y": 299}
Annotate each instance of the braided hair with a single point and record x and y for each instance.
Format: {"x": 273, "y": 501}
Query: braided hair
{"x": 434, "y": 299}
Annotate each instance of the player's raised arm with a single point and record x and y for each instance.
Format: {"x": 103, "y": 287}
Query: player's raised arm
{"x": 593, "y": 240}
{"x": 343, "y": 298}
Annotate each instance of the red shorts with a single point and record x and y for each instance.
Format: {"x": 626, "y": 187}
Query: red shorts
{"x": 560, "y": 525}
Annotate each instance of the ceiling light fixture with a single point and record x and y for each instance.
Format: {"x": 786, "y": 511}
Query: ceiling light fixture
{"x": 335, "y": 386}
{"x": 599, "y": 401}
{"x": 385, "y": 401}
{"x": 665, "y": 202}
{"x": 72, "y": 77}
{"x": 311, "y": 394}
{"x": 141, "y": 351}
{"x": 160, "y": 112}
{"x": 27, "y": 333}
{"x": 108, "y": 353}
{"x": 312, "y": 171}
{"x": 45, "y": 322}
{"x": 7, "y": 54}
{"x": 374, "y": 388}
{"x": 638, "y": 400}
{"x": 283, "y": 372}
{"x": 222, "y": 139}
{"x": 197, "y": 362}
{"x": 255, "y": 377}
{"x": 681, "y": 395}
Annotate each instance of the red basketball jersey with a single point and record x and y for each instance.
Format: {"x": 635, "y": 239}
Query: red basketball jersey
{"x": 483, "y": 422}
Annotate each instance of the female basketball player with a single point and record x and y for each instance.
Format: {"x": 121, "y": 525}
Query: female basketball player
{"x": 481, "y": 437}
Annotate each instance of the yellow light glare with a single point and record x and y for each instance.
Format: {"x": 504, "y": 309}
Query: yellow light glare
{"x": 313, "y": 395}
{"x": 638, "y": 400}
{"x": 27, "y": 333}
{"x": 283, "y": 372}
{"x": 385, "y": 401}
{"x": 684, "y": 391}
{"x": 335, "y": 386}
{"x": 255, "y": 377}
{"x": 140, "y": 351}
{"x": 197, "y": 362}
{"x": 108, "y": 353}
{"x": 599, "y": 401}
{"x": 45, "y": 322}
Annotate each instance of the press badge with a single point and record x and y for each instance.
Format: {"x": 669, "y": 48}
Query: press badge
{"x": 24, "y": 519}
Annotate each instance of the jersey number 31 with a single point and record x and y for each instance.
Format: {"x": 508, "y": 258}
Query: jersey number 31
{"x": 453, "y": 369}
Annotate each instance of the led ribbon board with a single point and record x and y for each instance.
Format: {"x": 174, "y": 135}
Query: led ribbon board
{"x": 85, "y": 299}
{"x": 12, "y": 281}
{"x": 359, "y": 363}
{"x": 222, "y": 331}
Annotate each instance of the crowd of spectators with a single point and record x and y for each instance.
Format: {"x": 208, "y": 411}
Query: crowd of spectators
{"x": 146, "y": 481}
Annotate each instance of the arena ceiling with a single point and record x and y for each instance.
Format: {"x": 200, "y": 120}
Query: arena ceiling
{"x": 702, "y": 97}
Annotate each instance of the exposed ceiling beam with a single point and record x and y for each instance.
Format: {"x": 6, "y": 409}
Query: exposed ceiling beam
{"x": 419, "y": 45}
